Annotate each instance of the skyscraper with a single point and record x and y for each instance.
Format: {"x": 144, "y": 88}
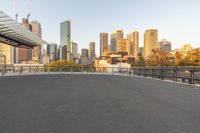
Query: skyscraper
{"x": 114, "y": 38}
{"x": 37, "y": 51}
{"x": 122, "y": 45}
{"x": 133, "y": 43}
{"x": 103, "y": 44}
{"x": 65, "y": 41}
{"x": 92, "y": 53}
{"x": 113, "y": 42}
{"x": 150, "y": 41}
{"x": 52, "y": 51}
{"x": 74, "y": 51}
{"x": 84, "y": 53}
{"x": 165, "y": 45}
{"x": 25, "y": 55}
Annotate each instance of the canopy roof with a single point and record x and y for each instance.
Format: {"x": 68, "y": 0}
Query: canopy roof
{"x": 13, "y": 33}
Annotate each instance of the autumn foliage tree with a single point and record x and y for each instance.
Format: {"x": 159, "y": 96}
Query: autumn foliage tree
{"x": 159, "y": 57}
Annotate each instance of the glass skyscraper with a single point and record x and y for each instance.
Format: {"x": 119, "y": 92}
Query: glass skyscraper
{"x": 65, "y": 41}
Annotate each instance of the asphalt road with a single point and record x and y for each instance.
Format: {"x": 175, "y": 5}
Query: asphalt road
{"x": 97, "y": 104}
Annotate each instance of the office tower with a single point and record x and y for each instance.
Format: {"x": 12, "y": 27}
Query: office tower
{"x": 7, "y": 51}
{"x": 113, "y": 42}
{"x": 150, "y": 41}
{"x": 122, "y": 45}
{"x": 74, "y": 51}
{"x": 133, "y": 43}
{"x": 52, "y": 51}
{"x": 165, "y": 45}
{"x": 25, "y": 55}
{"x": 114, "y": 37}
{"x": 85, "y": 53}
{"x": 65, "y": 40}
{"x": 92, "y": 54}
{"x": 36, "y": 28}
{"x": 37, "y": 51}
{"x": 103, "y": 44}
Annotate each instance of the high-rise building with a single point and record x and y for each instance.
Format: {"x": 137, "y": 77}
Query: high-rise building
{"x": 25, "y": 55}
{"x": 37, "y": 51}
{"x": 75, "y": 51}
{"x": 26, "y": 24}
{"x": 65, "y": 41}
{"x": 52, "y": 51}
{"x": 133, "y": 43}
{"x": 36, "y": 28}
{"x": 113, "y": 42}
{"x": 8, "y": 52}
{"x": 165, "y": 45}
{"x": 114, "y": 38}
{"x": 85, "y": 53}
{"x": 103, "y": 44}
{"x": 92, "y": 53}
{"x": 150, "y": 41}
{"x": 122, "y": 45}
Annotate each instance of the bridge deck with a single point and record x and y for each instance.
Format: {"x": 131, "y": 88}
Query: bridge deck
{"x": 97, "y": 104}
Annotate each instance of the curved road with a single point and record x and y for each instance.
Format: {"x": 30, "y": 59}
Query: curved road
{"x": 97, "y": 104}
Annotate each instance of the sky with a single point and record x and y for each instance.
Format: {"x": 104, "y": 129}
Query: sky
{"x": 176, "y": 20}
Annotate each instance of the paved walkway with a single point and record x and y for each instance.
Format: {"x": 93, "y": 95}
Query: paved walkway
{"x": 96, "y": 104}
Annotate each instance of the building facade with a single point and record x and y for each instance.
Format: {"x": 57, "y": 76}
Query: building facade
{"x": 122, "y": 45}
{"x": 85, "y": 53}
{"x": 133, "y": 43}
{"x": 25, "y": 55}
{"x": 65, "y": 41}
{"x": 37, "y": 51}
{"x": 114, "y": 38}
{"x": 150, "y": 41}
{"x": 8, "y": 52}
{"x": 92, "y": 53}
{"x": 52, "y": 51}
{"x": 75, "y": 51}
{"x": 103, "y": 44}
{"x": 165, "y": 45}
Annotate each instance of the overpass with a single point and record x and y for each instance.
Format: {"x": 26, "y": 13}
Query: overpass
{"x": 13, "y": 33}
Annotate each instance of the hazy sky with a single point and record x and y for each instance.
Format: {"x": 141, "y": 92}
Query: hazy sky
{"x": 176, "y": 20}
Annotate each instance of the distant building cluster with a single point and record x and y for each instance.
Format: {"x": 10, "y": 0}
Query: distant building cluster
{"x": 116, "y": 49}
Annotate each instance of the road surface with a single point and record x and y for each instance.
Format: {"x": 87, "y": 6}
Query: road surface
{"x": 97, "y": 104}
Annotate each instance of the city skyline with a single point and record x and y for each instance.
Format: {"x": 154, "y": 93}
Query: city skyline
{"x": 176, "y": 24}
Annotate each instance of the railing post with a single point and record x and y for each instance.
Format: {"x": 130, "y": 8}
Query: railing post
{"x": 161, "y": 74}
{"x": 175, "y": 75}
{"x": 2, "y": 69}
{"x": 191, "y": 80}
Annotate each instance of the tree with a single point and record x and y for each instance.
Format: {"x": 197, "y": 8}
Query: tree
{"x": 141, "y": 60}
{"x": 160, "y": 57}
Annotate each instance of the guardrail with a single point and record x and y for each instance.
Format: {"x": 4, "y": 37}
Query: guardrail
{"x": 190, "y": 75}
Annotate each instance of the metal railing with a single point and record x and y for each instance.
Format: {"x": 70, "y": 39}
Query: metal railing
{"x": 190, "y": 75}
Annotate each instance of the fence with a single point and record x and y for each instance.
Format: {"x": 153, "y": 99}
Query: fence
{"x": 190, "y": 75}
